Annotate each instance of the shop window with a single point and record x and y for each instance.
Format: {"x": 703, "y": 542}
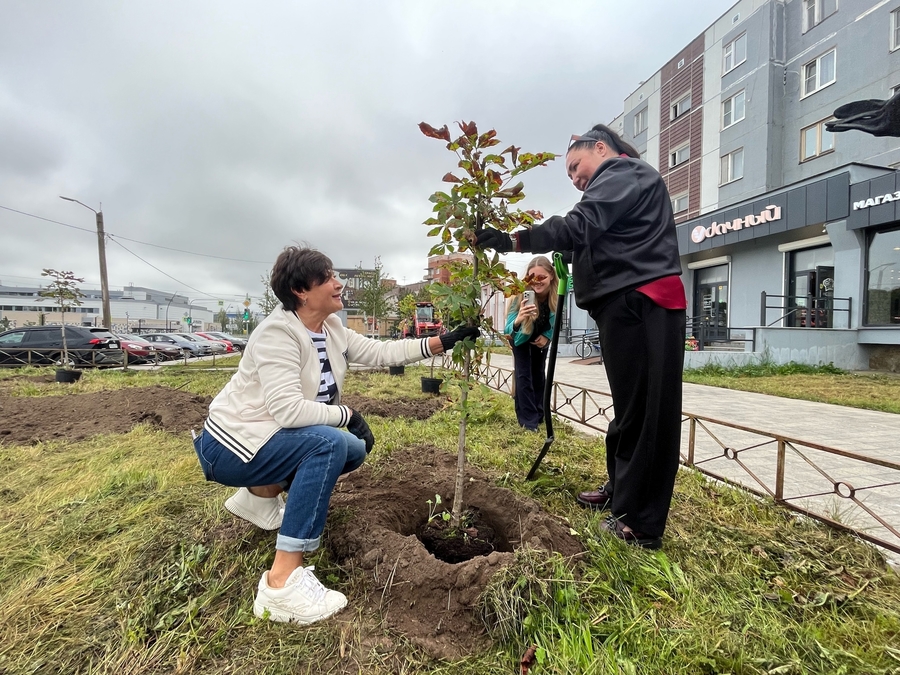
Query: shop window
{"x": 733, "y": 110}
{"x": 732, "y": 166}
{"x": 816, "y": 11}
{"x": 895, "y": 29}
{"x": 819, "y": 73}
{"x": 680, "y": 155}
{"x": 640, "y": 121}
{"x": 883, "y": 279}
{"x": 815, "y": 140}
{"x": 811, "y": 288}
{"x": 680, "y": 203}
{"x": 735, "y": 53}
{"x": 680, "y": 107}
{"x": 710, "y": 320}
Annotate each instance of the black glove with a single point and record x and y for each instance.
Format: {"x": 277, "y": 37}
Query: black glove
{"x": 462, "y": 333}
{"x": 358, "y": 427}
{"x": 495, "y": 239}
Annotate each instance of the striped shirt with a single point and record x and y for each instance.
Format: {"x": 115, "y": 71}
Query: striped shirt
{"x": 327, "y": 385}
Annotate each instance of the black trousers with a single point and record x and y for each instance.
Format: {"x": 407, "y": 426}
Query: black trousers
{"x": 643, "y": 350}
{"x": 530, "y": 378}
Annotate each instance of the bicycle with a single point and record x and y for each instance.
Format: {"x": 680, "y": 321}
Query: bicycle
{"x": 588, "y": 346}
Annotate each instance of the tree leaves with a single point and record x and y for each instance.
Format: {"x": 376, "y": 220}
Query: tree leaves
{"x": 442, "y": 134}
{"x": 450, "y": 178}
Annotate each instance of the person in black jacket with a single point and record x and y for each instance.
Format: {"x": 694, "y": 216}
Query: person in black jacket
{"x": 627, "y": 275}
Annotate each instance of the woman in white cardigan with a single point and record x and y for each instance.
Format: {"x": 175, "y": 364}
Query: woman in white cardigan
{"x": 279, "y": 424}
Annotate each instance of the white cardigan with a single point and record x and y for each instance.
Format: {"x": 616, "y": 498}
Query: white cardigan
{"x": 277, "y": 381}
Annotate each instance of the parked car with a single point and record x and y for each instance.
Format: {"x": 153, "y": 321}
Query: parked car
{"x": 135, "y": 345}
{"x": 187, "y": 347}
{"x": 229, "y": 347}
{"x": 42, "y": 345}
{"x": 215, "y": 347}
{"x": 238, "y": 342}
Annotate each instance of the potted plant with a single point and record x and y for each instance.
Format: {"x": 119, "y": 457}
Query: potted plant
{"x": 481, "y": 196}
{"x": 64, "y": 290}
{"x": 432, "y": 384}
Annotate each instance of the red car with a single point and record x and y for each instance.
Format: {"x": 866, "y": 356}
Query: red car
{"x": 229, "y": 347}
{"x": 140, "y": 350}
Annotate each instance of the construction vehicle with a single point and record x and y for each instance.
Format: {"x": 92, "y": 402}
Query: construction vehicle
{"x": 423, "y": 323}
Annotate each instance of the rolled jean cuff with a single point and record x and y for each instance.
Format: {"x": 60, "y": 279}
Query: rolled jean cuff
{"x": 294, "y": 545}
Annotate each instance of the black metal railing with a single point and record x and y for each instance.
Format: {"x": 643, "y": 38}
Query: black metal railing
{"x": 803, "y": 311}
{"x": 702, "y": 334}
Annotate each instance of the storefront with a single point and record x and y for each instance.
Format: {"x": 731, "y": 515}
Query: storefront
{"x": 809, "y": 273}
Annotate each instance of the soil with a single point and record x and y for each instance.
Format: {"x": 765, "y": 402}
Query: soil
{"x": 375, "y": 513}
{"x": 372, "y": 524}
{"x": 76, "y": 417}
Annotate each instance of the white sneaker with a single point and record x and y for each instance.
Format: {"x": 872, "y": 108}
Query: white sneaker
{"x": 264, "y": 512}
{"x": 303, "y": 599}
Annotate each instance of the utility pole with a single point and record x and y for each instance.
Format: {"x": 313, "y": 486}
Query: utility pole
{"x": 101, "y": 246}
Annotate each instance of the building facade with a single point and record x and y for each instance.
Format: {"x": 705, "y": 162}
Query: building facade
{"x": 789, "y": 235}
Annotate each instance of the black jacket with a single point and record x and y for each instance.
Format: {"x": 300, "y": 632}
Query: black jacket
{"x": 621, "y": 233}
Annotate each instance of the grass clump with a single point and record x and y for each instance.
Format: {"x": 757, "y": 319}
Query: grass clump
{"x": 118, "y": 557}
{"x": 823, "y": 383}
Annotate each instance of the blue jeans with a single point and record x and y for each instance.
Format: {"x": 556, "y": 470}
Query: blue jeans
{"x": 309, "y": 459}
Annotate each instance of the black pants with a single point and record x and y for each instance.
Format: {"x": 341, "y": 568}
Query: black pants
{"x": 643, "y": 349}
{"x": 529, "y": 396}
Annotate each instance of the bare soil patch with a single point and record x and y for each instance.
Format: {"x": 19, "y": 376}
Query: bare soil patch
{"x": 75, "y": 417}
{"x": 374, "y": 516}
{"x": 412, "y": 408}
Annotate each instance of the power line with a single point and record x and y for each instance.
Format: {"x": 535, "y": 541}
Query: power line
{"x": 137, "y": 241}
{"x": 118, "y": 243}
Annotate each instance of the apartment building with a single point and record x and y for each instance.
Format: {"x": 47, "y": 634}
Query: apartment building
{"x": 789, "y": 235}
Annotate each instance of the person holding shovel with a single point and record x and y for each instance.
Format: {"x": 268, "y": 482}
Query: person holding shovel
{"x": 279, "y": 425}
{"x": 529, "y": 326}
{"x": 627, "y": 275}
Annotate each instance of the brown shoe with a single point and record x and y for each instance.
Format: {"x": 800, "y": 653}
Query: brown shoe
{"x": 616, "y": 528}
{"x": 598, "y": 500}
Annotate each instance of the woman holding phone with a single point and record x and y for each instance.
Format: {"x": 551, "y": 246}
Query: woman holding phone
{"x": 529, "y": 325}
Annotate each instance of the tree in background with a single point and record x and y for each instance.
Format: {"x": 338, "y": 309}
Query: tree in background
{"x": 480, "y": 198}
{"x": 222, "y": 319}
{"x": 65, "y": 292}
{"x": 373, "y": 294}
{"x": 268, "y": 302}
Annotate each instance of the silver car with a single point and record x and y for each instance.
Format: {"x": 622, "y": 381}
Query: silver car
{"x": 214, "y": 347}
{"x": 187, "y": 347}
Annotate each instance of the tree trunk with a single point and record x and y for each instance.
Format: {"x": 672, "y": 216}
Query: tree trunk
{"x": 456, "y": 511}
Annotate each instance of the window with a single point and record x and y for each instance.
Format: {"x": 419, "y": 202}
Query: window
{"x": 816, "y": 11}
{"x": 679, "y": 203}
{"x": 819, "y": 73}
{"x": 815, "y": 140}
{"x": 680, "y": 155}
{"x": 735, "y": 52}
{"x": 895, "y": 29}
{"x": 640, "y": 122}
{"x": 883, "y": 279}
{"x": 733, "y": 110}
{"x": 681, "y": 106}
{"x": 733, "y": 166}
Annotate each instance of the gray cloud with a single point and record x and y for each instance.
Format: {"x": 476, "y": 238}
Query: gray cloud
{"x": 232, "y": 129}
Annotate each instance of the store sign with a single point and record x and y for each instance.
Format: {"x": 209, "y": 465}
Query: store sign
{"x": 768, "y": 215}
{"x": 875, "y": 201}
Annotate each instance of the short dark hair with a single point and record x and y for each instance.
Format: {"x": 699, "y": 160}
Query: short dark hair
{"x": 298, "y": 269}
{"x": 601, "y": 132}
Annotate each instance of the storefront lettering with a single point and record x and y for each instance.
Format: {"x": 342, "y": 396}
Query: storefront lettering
{"x": 875, "y": 201}
{"x": 768, "y": 215}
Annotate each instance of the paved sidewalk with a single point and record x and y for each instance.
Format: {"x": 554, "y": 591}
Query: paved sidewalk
{"x": 810, "y": 475}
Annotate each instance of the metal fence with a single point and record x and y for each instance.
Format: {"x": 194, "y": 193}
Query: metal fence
{"x": 846, "y": 490}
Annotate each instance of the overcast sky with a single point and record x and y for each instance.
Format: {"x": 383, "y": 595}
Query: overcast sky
{"x": 231, "y": 129}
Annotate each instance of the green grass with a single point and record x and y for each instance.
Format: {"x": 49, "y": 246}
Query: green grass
{"x": 118, "y": 558}
{"x": 825, "y": 384}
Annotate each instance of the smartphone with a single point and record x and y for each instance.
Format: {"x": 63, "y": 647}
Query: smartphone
{"x": 528, "y": 298}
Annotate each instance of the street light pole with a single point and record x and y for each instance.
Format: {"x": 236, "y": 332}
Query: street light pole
{"x": 101, "y": 246}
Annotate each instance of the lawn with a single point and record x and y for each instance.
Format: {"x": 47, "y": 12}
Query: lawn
{"x": 119, "y": 558}
{"x": 825, "y": 384}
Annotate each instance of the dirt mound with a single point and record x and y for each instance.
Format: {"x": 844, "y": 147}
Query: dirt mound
{"x": 79, "y": 416}
{"x": 413, "y": 408}
{"x": 373, "y": 519}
